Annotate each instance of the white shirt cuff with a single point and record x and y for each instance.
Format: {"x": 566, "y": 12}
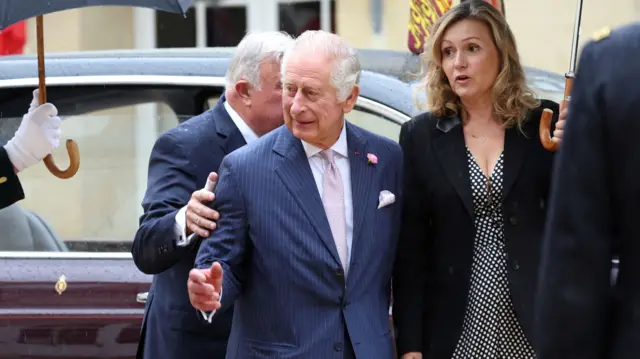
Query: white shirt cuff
{"x": 209, "y": 316}
{"x": 180, "y": 228}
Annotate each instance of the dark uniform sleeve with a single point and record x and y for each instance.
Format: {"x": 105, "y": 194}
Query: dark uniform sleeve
{"x": 571, "y": 303}
{"x": 10, "y": 187}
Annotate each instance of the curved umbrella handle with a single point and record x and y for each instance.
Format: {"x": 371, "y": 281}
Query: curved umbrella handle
{"x": 547, "y": 115}
{"x": 72, "y": 146}
{"x": 74, "y": 162}
{"x": 545, "y": 131}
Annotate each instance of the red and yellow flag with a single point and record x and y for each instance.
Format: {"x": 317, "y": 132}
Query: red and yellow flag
{"x": 422, "y": 15}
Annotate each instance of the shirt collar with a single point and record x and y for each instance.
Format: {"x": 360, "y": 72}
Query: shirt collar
{"x": 245, "y": 130}
{"x": 339, "y": 147}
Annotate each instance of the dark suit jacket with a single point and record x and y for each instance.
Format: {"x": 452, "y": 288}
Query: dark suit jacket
{"x": 10, "y": 188}
{"x": 280, "y": 260}
{"x": 433, "y": 266}
{"x": 180, "y": 163}
{"x": 594, "y": 212}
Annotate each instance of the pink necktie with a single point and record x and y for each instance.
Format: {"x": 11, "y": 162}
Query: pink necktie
{"x": 333, "y": 200}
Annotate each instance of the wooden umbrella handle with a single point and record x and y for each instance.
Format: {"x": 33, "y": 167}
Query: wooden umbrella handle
{"x": 547, "y": 115}
{"x": 545, "y": 131}
{"x": 74, "y": 162}
{"x": 72, "y": 146}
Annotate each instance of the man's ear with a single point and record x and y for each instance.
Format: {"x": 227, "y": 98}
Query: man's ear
{"x": 243, "y": 89}
{"x": 350, "y": 102}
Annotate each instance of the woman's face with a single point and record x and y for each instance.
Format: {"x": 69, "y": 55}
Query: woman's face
{"x": 470, "y": 59}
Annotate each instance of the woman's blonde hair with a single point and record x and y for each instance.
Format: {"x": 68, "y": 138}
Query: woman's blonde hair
{"x": 512, "y": 98}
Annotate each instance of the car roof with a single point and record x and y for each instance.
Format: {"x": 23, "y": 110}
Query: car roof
{"x": 388, "y": 76}
{"x": 184, "y": 61}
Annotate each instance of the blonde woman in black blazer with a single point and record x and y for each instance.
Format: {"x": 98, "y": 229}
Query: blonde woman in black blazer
{"x": 477, "y": 183}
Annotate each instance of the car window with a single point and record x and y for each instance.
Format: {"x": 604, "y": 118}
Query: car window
{"x": 548, "y": 93}
{"x": 98, "y": 209}
{"x": 211, "y": 102}
{"x": 375, "y": 123}
{"x": 546, "y": 88}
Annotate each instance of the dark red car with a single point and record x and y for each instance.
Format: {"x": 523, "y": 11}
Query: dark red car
{"x": 68, "y": 285}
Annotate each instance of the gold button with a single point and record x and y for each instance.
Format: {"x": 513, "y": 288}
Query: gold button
{"x": 3, "y": 180}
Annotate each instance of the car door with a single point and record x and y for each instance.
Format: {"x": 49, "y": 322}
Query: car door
{"x": 68, "y": 285}
{"x": 69, "y": 305}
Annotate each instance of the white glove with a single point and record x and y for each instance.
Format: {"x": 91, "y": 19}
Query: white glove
{"x": 38, "y": 134}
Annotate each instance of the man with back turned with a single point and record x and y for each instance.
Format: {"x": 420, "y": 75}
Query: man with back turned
{"x": 594, "y": 212}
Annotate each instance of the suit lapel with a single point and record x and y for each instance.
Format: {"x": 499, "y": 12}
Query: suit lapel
{"x": 295, "y": 173}
{"x": 231, "y": 138}
{"x": 362, "y": 175}
{"x": 515, "y": 151}
{"x": 450, "y": 149}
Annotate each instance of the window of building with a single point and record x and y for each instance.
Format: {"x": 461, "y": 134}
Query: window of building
{"x": 226, "y": 26}
{"x": 175, "y": 30}
{"x": 225, "y": 22}
{"x": 298, "y": 17}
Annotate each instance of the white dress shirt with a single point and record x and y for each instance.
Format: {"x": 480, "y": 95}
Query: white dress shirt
{"x": 318, "y": 164}
{"x": 180, "y": 226}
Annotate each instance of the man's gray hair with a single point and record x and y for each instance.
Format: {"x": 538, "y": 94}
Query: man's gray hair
{"x": 346, "y": 67}
{"x": 251, "y": 52}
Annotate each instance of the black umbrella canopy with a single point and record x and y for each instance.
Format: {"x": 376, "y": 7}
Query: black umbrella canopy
{"x": 13, "y": 11}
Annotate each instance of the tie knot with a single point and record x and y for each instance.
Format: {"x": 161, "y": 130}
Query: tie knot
{"x": 328, "y": 155}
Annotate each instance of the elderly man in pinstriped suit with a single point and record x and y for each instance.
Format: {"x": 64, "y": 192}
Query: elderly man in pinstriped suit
{"x": 309, "y": 220}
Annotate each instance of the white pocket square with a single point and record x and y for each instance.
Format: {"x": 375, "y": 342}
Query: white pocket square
{"x": 385, "y": 198}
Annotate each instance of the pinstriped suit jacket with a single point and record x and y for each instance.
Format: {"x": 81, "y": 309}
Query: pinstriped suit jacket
{"x": 281, "y": 266}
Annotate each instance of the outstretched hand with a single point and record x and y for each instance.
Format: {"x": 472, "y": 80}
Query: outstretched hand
{"x": 205, "y": 287}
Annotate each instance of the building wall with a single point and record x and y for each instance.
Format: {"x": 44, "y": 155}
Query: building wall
{"x": 84, "y": 29}
{"x": 545, "y": 31}
{"x": 543, "y": 28}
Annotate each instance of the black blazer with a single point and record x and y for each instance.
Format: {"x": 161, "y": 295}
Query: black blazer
{"x": 594, "y": 213}
{"x": 10, "y": 187}
{"x": 433, "y": 266}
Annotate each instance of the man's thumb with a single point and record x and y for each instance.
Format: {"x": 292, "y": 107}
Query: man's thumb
{"x": 216, "y": 272}
{"x": 211, "y": 182}
{"x": 216, "y": 276}
{"x": 35, "y": 102}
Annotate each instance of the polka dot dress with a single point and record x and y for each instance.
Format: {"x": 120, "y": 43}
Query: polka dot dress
{"x": 491, "y": 329}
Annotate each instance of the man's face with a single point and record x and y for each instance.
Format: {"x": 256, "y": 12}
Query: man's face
{"x": 266, "y": 103}
{"x": 312, "y": 111}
